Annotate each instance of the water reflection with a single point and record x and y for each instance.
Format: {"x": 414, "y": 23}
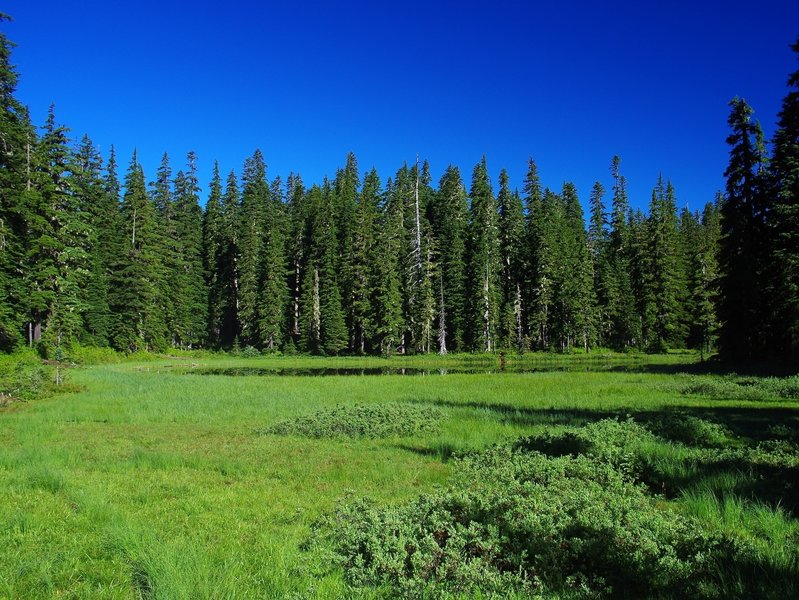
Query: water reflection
{"x": 412, "y": 371}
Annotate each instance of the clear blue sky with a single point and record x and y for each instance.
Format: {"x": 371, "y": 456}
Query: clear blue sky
{"x": 570, "y": 84}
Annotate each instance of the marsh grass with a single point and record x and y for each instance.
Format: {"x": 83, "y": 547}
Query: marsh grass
{"x": 145, "y": 484}
{"x": 363, "y": 421}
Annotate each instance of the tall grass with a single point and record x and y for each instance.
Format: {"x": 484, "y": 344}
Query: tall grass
{"x": 153, "y": 484}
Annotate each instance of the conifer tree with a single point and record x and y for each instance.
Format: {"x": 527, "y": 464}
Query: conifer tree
{"x": 621, "y": 298}
{"x": 170, "y": 283}
{"x": 88, "y": 186}
{"x": 16, "y": 142}
{"x": 296, "y": 251}
{"x": 273, "y": 272}
{"x": 332, "y": 318}
{"x": 538, "y": 285}
{"x": 387, "y": 270}
{"x": 58, "y": 259}
{"x": 580, "y": 297}
{"x": 193, "y": 308}
{"x": 664, "y": 265}
{"x": 598, "y": 245}
{"x": 450, "y": 219}
{"x": 784, "y": 175}
{"x": 363, "y": 246}
{"x": 483, "y": 263}
{"x": 138, "y": 277}
{"x": 344, "y": 200}
{"x": 212, "y": 246}
{"x": 742, "y": 256}
{"x": 703, "y": 275}
{"x": 512, "y": 254}
{"x": 252, "y": 223}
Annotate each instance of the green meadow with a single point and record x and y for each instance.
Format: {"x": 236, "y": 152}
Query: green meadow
{"x": 174, "y": 478}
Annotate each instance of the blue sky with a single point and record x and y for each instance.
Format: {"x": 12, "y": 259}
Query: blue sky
{"x": 570, "y": 84}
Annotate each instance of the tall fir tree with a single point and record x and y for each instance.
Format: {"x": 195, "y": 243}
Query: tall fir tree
{"x": 512, "y": 255}
{"x": 252, "y": 223}
{"x": 273, "y": 272}
{"x": 387, "y": 275}
{"x": 537, "y": 286}
{"x": 16, "y": 142}
{"x": 366, "y": 215}
{"x": 743, "y": 227}
{"x": 621, "y": 297}
{"x": 450, "y": 221}
{"x": 212, "y": 245}
{"x": 101, "y": 212}
{"x": 598, "y": 245}
{"x": 482, "y": 301}
{"x": 135, "y": 296}
{"x": 344, "y": 200}
{"x": 784, "y": 219}
{"x": 192, "y": 313}
{"x": 664, "y": 265}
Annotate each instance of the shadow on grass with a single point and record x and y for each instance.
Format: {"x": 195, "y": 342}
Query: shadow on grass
{"x": 750, "y": 463}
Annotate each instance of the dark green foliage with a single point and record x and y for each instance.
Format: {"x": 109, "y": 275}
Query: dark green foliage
{"x": 513, "y": 257}
{"x": 15, "y": 175}
{"x": 520, "y": 523}
{"x": 690, "y": 430}
{"x": 252, "y": 235}
{"x": 192, "y": 298}
{"x": 450, "y": 219}
{"x": 346, "y": 267}
{"x": 363, "y": 246}
{"x": 102, "y": 210}
{"x": 386, "y": 267}
{"x": 784, "y": 185}
{"x": 363, "y": 421}
{"x": 742, "y": 253}
{"x": 743, "y": 388}
{"x": 560, "y": 515}
{"x": 663, "y": 263}
{"x": 483, "y": 260}
{"x": 621, "y": 296}
{"x": 618, "y": 443}
{"x": 273, "y": 271}
{"x": 138, "y": 276}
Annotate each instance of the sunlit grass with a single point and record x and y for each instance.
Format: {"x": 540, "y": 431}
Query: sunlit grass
{"x": 151, "y": 483}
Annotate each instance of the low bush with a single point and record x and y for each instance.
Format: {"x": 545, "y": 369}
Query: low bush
{"x": 23, "y": 376}
{"x": 521, "y": 523}
{"x": 742, "y": 388}
{"x": 363, "y": 421}
{"x": 690, "y": 430}
{"x": 620, "y": 443}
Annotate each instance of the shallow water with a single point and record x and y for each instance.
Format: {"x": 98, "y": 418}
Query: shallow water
{"x": 417, "y": 371}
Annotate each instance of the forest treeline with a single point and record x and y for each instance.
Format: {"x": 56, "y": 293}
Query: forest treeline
{"x": 359, "y": 265}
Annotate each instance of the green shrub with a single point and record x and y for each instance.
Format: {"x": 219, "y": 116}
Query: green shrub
{"x": 518, "y": 522}
{"x": 23, "y": 377}
{"x": 363, "y": 421}
{"x": 742, "y": 388}
{"x": 250, "y": 352}
{"x": 690, "y": 430}
{"x": 620, "y": 443}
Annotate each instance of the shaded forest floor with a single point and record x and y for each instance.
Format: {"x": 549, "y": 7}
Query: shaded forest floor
{"x": 160, "y": 479}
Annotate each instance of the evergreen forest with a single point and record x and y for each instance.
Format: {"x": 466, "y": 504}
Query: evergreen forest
{"x": 93, "y": 251}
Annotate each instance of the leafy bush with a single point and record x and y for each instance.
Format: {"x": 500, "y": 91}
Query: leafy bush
{"x": 742, "y": 388}
{"x": 517, "y": 522}
{"x": 619, "y": 443}
{"x": 370, "y": 421}
{"x": 23, "y": 377}
{"x": 250, "y": 352}
{"x": 690, "y": 430}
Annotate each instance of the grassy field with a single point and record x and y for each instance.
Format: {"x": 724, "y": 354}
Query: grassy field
{"x": 156, "y": 480}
